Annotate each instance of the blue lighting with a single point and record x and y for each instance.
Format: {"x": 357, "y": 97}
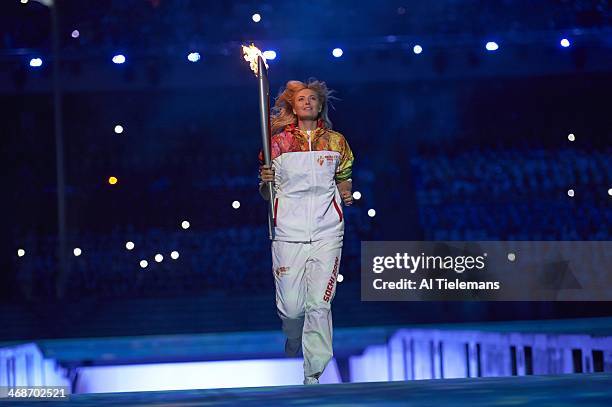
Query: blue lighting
{"x": 417, "y": 49}
{"x": 565, "y": 43}
{"x": 35, "y": 62}
{"x": 337, "y": 52}
{"x": 119, "y": 59}
{"x": 492, "y": 46}
{"x": 269, "y": 55}
{"x": 194, "y": 57}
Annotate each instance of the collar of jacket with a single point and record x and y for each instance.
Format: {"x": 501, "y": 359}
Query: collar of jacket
{"x": 321, "y": 127}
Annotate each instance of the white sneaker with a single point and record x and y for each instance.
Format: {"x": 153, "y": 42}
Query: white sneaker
{"x": 311, "y": 380}
{"x": 293, "y": 347}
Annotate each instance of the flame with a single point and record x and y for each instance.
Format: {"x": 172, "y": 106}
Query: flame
{"x": 250, "y": 55}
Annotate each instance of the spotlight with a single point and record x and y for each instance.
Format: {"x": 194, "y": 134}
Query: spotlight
{"x": 565, "y": 43}
{"x": 119, "y": 59}
{"x": 492, "y": 46}
{"x": 20, "y": 252}
{"x": 256, "y": 17}
{"x": 129, "y": 245}
{"x": 75, "y": 34}
{"x": 356, "y": 195}
{"x": 194, "y": 57}
{"x": 118, "y": 129}
{"x": 112, "y": 180}
{"x": 144, "y": 263}
{"x": 24, "y": 1}
{"x": 337, "y": 52}
{"x": 610, "y": 191}
{"x": 340, "y": 278}
{"x": 269, "y": 55}
{"x": 174, "y": 255}
{"x": 35, "y": 62}
{"x": 77, "y": 251}
{"x": 235, "y": 204}
{"x": 571, "y": 137}
{"x": 371, "y": 213}
{"x": 570, "y": 193}
{"x": 417, "y": 49}
{"x": 159, "y": 258}
{"x": 185, "y": 225}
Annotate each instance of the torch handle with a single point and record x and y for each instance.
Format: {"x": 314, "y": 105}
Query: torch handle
{"x": 264, "y": 118}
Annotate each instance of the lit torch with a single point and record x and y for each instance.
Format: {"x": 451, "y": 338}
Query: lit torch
{"x": 259, "y": 67}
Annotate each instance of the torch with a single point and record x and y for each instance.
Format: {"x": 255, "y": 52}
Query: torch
{"x": 258, "y": 65}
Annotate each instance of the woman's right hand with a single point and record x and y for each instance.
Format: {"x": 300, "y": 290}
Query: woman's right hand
{"x": 266, "y": 174}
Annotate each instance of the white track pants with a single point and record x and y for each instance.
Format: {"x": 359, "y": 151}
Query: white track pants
{"x": 305, "y": 278}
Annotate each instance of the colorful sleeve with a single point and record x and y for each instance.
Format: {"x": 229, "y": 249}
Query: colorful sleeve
{"x": 274, "y": 150}
{"x": 345, "y": 167}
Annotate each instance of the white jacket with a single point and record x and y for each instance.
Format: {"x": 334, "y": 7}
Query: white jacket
{"x": 307, "y": 203}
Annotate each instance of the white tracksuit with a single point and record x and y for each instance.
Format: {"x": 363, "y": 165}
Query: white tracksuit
{"x": 309, "y": 227}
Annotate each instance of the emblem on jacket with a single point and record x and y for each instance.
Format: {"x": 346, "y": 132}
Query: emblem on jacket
{"x": 329, "y": 158}
{"x": 281, "y": 271}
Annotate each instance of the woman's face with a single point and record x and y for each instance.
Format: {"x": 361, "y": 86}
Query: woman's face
{"x": 307, "y": 105}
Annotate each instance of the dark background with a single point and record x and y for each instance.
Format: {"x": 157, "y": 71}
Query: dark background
{"x": 456, "y": 143}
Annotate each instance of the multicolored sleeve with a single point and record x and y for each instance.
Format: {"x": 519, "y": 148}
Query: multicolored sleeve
{"x": 345, "y": 167}
{"x": 274, "y": 150}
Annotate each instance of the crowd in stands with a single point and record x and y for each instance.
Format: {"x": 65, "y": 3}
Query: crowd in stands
{"x": 514, "y": 195}
{"x": 165, "y": 23}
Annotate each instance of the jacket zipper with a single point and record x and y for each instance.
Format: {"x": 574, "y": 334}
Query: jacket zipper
{"x": 313, "y": 184}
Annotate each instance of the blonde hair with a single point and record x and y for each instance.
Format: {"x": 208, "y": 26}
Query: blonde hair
{"x": 282, "y": 113}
